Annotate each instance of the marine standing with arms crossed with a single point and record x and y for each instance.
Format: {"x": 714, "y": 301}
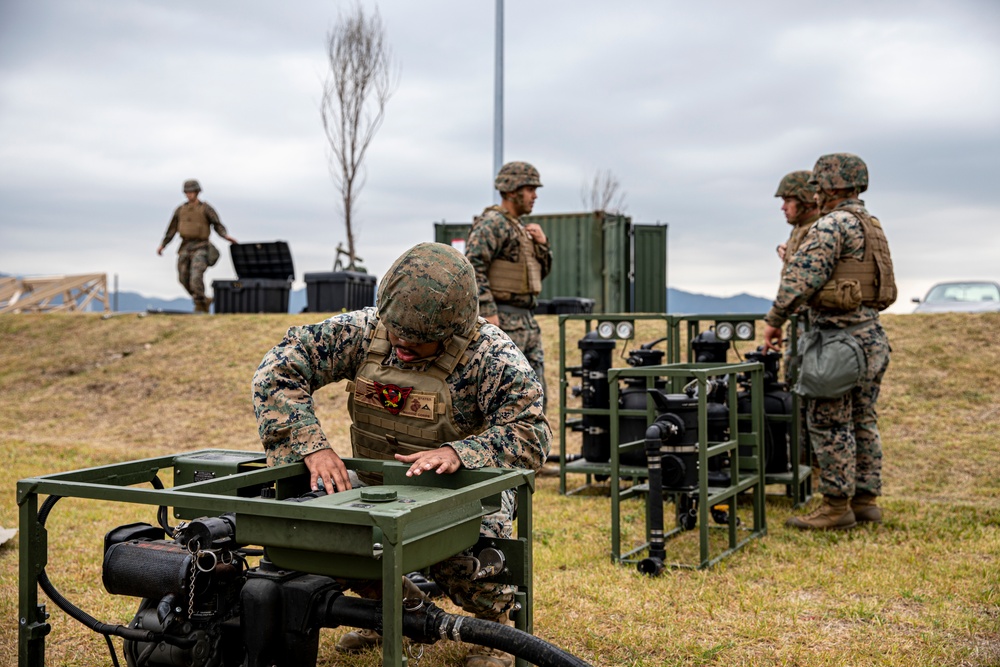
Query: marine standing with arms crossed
{"x": 511, "y": 259}
{"x": 843, "y": 271}
{"x": 431, "y": 384}
{"x": 194, "y": 221}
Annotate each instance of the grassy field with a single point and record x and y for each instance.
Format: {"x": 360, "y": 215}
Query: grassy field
{"x": 921, "y": 589}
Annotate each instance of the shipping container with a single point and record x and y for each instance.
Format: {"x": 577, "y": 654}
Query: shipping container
{"x": 620, "y": 265}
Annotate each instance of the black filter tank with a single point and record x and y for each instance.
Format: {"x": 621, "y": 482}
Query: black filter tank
{"x": 595, "y": 361}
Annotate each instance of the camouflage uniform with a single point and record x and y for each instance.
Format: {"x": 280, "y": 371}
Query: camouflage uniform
{"x": 494, "y": 237}
{"x": 193, "y": 255}
{"x": 495, "y": 398}
{"x": 796, "y": 184}
{"x": 843, "y": 431}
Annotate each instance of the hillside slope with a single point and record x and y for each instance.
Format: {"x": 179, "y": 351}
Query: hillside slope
{"x": 80, "y": 391}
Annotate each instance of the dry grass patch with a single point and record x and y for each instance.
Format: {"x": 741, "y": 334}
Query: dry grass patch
{"x": 922, "y": 589}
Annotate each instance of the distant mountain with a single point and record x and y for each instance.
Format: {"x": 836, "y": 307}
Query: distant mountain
{"x": 678, "y": 301}
{"x": 129, "y": 302}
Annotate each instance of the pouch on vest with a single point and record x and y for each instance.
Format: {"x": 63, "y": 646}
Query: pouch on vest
{"x": 213, "y": 255}
{"x": 838, "y": 295}
{"x": 832, "y": 363}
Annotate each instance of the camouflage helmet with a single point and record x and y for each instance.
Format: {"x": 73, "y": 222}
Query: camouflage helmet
{"x": 192, "y": 186}
{"x": 796, "y": 185}
{"x": 514, "y": 175}
{"x": 429, "y": 294}
{"x": 840, "y": 171}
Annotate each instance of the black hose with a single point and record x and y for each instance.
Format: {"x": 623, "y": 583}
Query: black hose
{"x": 508, "y": 639}
{"x": 83, "y": 617}
{"x": 161, "y": 512}
{"x": 430, "y": 623}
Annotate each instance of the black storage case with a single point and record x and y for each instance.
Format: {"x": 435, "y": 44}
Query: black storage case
{"x": 339, "y": 291}
{"x": 543, "y": 307}
{"x": 568, "y": 305}
{"x": 265, "y": 278}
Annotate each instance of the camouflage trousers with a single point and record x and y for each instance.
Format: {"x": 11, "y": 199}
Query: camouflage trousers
{"x": 452, "y": 575}
{"x": 192, "y": 262}
{"x": 844, "y": 432}
{"x": 527, "y": 335}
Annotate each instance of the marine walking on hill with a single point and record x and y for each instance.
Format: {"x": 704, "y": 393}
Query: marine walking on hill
{"x": 194, "y": 221}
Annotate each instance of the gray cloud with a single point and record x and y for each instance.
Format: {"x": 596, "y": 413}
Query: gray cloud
{"x": 699, "y": 110}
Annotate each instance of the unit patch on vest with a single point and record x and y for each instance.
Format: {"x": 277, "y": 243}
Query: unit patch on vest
{"x": 395, "y": 399}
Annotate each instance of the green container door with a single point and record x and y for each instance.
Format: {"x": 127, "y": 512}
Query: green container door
{"x": 650, "y": 268}
{"x": 577, "y": 256}
{"x": 447, "y": 232}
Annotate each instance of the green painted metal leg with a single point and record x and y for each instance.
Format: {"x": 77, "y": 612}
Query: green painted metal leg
{"x": 32, "y": 625}
{"x": 393, "y": 654}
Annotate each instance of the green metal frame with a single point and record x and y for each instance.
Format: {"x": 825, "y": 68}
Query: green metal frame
{"x": 427, "y": 529}
{"x": 746, "y": 470}
{"x": 798, "y": 480}
{"x": 567, "y": 416}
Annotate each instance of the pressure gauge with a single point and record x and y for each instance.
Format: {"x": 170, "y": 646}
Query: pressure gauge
{"x": 625, "y": 329}
{"x": 724, "y": 330}
{"x": 606, "y": 329}
{"x": 744, "y": 330}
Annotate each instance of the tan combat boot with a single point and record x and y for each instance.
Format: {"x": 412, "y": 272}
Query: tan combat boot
{"x": 481, "y": 656}
{"x": 200, "y": 306}
{"x": 865, "y": 509}
{"x": 357, "y": 641}
{"x": 834, "y": 514}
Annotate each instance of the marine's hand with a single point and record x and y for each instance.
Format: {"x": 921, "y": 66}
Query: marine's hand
{"x": 442, "y": 460}
{"x": 326, "y": 465}
{"x": 781, "y": 251}
{"x": 159, "y": 251}
{"x": 536, "y": 233}
{"x": 772, "y": 338}
{"x": 493, "y": 319}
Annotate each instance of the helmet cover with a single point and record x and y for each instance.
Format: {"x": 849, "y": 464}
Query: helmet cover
{"x": 429, "y": 294}
{"x": 514, "y": 175}
{"x": 796, "y": 185}
{"x": 840, "y": 171}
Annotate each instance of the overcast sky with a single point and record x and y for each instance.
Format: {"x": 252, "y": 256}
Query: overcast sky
{"x": 699, "y": 109}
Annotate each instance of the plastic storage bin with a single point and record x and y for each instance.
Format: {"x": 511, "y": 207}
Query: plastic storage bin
{"x": 568, "y": 305}
{"x": 339, "y": 291}
{"x": 253, "y": 295}
{"x": 265, "y": 274}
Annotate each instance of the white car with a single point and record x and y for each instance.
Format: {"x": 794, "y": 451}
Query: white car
{"x": 969, "y": 296}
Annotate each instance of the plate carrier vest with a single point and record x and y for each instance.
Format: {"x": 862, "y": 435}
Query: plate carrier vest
{"x": 193, "y": 223}
{"x": 403, "y": 410}
{"x": 521, "y": 277}
{"x": 869, "y": 281}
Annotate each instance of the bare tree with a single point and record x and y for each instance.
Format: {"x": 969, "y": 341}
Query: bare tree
{"x": 362, "y": 78}
{"x": 604, "y": 193}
